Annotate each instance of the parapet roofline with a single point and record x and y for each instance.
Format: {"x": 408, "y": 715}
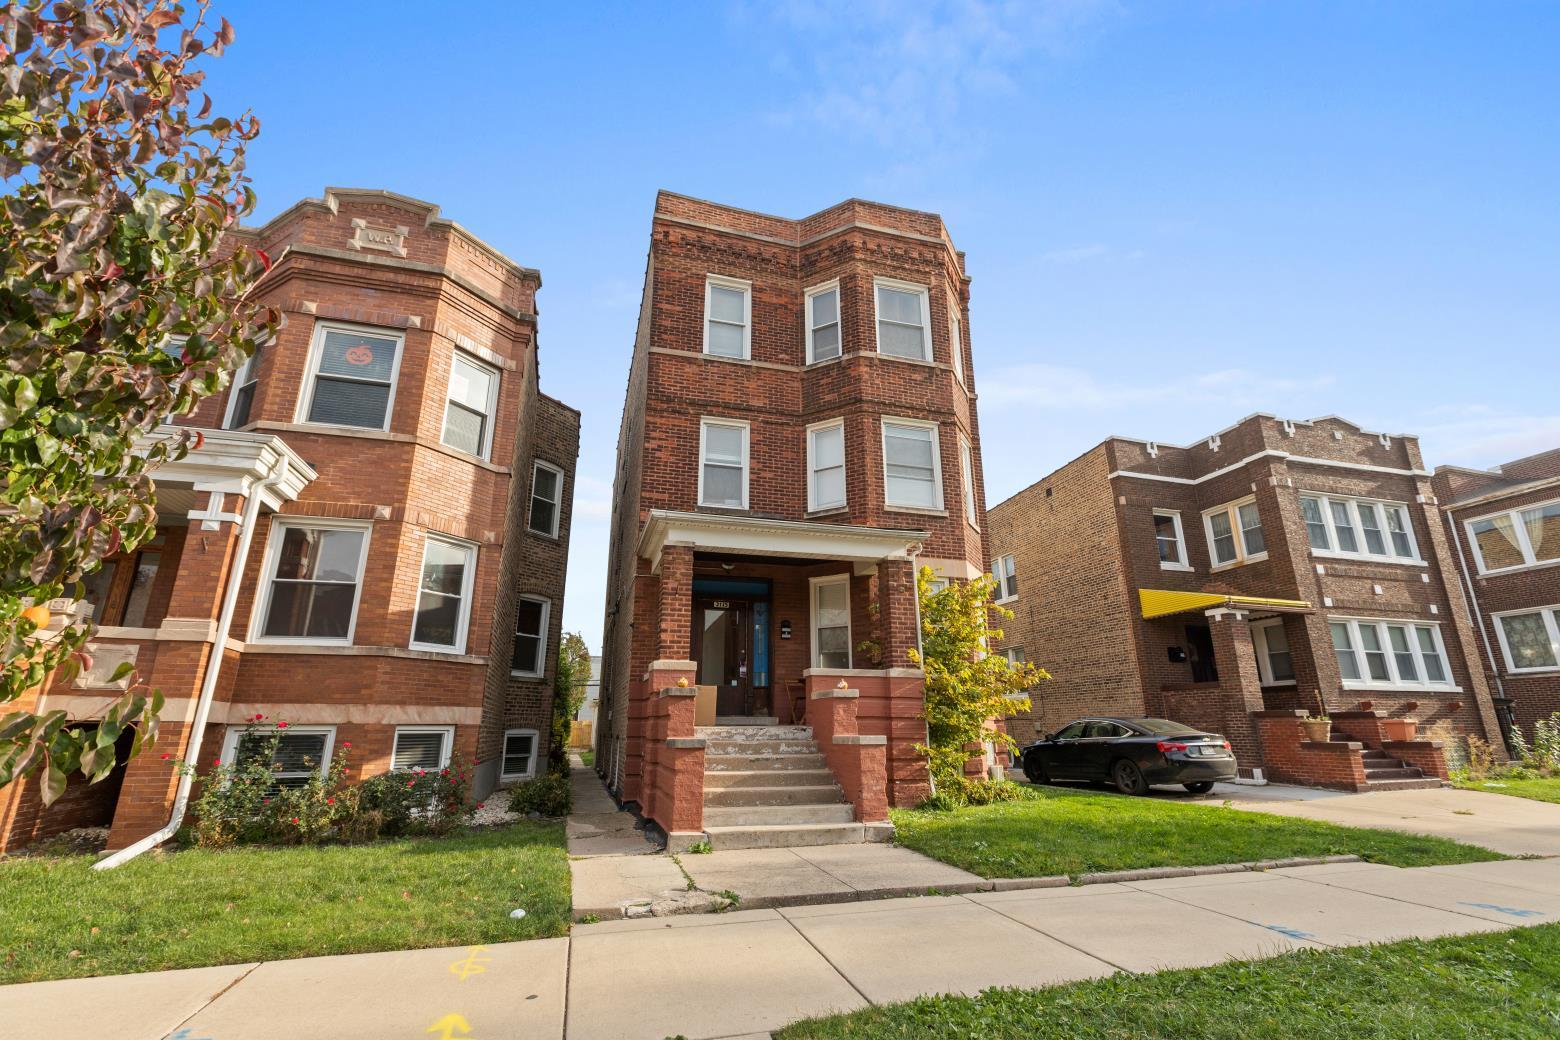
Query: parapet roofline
{"x": 798, "y": 220}
{"x": 1262, "y": 415}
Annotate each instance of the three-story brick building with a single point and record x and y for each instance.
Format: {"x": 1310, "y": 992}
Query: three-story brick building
{"x": 799, "y": 433}
{"x": 370, "y": 543}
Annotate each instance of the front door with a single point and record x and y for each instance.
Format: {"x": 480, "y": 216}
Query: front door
{"x": 723, "y": 649}
{"x": 1199, "y": 653}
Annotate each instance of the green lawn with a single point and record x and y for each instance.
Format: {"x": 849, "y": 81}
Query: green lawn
{"x": 59, "y": 918}
{"x": 1072, "y": 831}
{"x": 588, "y": 757}
{"x": 1540, "y": 789}
{"x": 1504, "y": 985}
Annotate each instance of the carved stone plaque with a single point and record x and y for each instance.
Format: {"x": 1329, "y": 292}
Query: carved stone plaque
{"x": 106, "y": 659}
{"x": 374, "y": 236}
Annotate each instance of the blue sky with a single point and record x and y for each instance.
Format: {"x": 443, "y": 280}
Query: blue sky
{"x": 1175, "y": 213}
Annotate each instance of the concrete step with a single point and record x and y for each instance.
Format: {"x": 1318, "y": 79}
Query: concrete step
{"x": 743, "y": 763}
{"x": 717, "y": 746}
{"x": 1373, "y": 774}
{"x": 720, "y": 780}
{"x": 1422, "y": 784}
{"x": 760, "y": 732}
{"x": 777, "y": 815}
{"x": 728, "y": 796}
{"x": 768, "y": 837}
{"x": 746, "y": 720}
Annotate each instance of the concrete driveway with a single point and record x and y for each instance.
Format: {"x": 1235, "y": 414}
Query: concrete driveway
{"x": 1514, "y": 826}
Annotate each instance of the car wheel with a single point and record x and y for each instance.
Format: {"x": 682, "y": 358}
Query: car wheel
{"x": 1128, "y": 778}
{"x": 1200, "y": 787}
{"x": 1034, "y": 772}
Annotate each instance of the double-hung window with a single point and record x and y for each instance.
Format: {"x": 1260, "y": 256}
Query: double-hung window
{"x": 912, "y": 467}
{"x": 1275, "y": 665}
{"x": 352, "y": 377}
{"x": 301, "y": 751}
{"x": 723, "y": 463}
{"x": 1005, "y": 573}
{"x": 728, "y": 314}
{"x": 1373, "y": 652}
{"x": 956, "y": 337}
{"x": 469, "y": 407}
{"x": 1170, "y": 540}
{"x": 530, "y": 651}
{"x": 1234, "y": 533}
{"x": 1516, "y": 538}
{"x": 241, "y": 399}
{"x": 831, "y": 622}
{"x": 444, "y": 594}
{"x": 903, "y": 320}
{"x": 826, "y": 465}
{"x": 823, "y": 323}
{"x": 422, "y": 747}
{"x": 519, "y": 755}
{"x": 1358, "y": 527}
{"x": 967, "y": 475}
{"x": 1014, "y": 654}
{"x": 546, "y": 494}
{"x": 314, "y": 571}
{"x": 1530, "y": 639}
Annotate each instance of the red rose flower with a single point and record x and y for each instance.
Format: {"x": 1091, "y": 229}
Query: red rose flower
{"x": 281, "y": 725}
{"x": 166, "y": 757}
{"x": 346, "y": 743}
{"x": 330, "y": 801}
{"x": 295, "y": 820}
{"x": 481, "y": 806}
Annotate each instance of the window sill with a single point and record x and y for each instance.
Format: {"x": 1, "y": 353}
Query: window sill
{"x": 1324, "y": 554}
{"x": 1379, "y": 687}
{"x": 1216, "y": 568}
{"x": 1540, "y": 565}
{"x": 1175, "y": 567}
{"x": 923, "y": 362}
{"x": 917, "y": 510}
{"x": 1277, "y": 683}
{"x": 524, "y": 675}
{"x": 509, "y": 778}
{"x": 724, "y": 510}
{"x": 551, "y": 536}
{"x": 1010, "y": 599}
{"x": 748, "y": 360}
{"x": 433, "y": 648}
{"x": 1517, "y": 673}
{"x": 836, "y": 359}
{"x": 813, "y": 514}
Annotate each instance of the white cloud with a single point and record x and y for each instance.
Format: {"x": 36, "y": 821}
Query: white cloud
{"x": 1060, "y": 388}
{"x": 1480, "y": 435}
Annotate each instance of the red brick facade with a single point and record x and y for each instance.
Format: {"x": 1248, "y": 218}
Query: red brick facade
{"x": 1085, "y": 542}
{"x": 1511, "y": 571}
{"x": 670, "y": 549}
{"x": 387, "y": 270}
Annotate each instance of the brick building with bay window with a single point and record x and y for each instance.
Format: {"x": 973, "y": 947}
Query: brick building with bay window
{"x": 1275, "y": 568}
{"x": 799, "y": 433}
{"x": 1506, "y": 523}
{"x": 377, "y": 520}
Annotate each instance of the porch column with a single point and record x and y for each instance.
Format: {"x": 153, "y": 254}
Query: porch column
{"x": 1240, "y": 683}
{"x": 183, "y": 653}
{"x": 897, "y": 611}
{"x": 675, "y": 614}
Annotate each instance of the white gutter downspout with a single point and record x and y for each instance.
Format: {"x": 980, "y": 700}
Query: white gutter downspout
{"x": 208, "y": 686}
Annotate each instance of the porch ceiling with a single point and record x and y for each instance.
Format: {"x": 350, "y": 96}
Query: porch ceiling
{"x": 754, "y": 536}
{"x": 1157, "y": 603}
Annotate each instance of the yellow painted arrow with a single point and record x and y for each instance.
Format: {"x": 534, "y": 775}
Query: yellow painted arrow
{"x": 450, "y": 1027}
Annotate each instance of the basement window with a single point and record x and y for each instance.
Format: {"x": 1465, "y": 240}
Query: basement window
{"x": 422, "y": 747}
{"x": 519, "y": 755}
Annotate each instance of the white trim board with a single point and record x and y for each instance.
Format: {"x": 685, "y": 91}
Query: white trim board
{"x": 1271, "y": 453}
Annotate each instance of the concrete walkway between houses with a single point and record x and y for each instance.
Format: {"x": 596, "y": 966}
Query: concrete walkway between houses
{"x": 745, "y": 973}
{"x": 1513, "y": 826}
{"x": 614, "y": 878}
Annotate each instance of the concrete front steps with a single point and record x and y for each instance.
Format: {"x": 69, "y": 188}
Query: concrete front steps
{"x": 767, "y": 786}
{"x": 1384, "y": 773}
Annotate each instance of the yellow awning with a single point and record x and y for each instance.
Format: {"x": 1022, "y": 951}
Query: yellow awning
{"x": 1164, "y": 602}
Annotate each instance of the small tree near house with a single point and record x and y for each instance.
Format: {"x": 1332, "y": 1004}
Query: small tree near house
{"x": 569, "y": 688}
{"x": 119, "y": 306}
{"x": 967, "y": 687}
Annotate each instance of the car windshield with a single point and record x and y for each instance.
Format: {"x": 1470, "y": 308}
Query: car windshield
{"x": 1163, "y": 727}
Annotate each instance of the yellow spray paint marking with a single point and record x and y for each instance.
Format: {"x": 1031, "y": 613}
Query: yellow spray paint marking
{"x": 450, "y": 1027}
{"x": 474, "y": 964}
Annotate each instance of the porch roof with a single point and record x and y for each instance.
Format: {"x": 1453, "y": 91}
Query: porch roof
{"x": 233, "y": 462}
{"x": 749, "y": 535}
{"x": 1164, "y": 602}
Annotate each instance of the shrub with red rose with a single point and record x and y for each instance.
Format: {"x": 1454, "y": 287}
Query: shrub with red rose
{"x": 242, "y": 802}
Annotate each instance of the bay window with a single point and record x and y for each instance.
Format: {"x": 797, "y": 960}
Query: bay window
{"x": 444, "y": 594}
{"x": 351, "y": 379}
{"x": 1234, "y": 533}
{"x": 912, "y": 469}
{"x": 826, "y": 465}
{"x": 469, "y": 406}
{"x": 1524, "y": 537}
{"x": 956, "y": 337}
{"x": 728, "y": 312}
{"x": 1381, "y": 653}
{"x": 1358, "y": 527}
{"x": 313, "y": 576}
{"x": 723, "y": 463}
{"x": 903, "y": 320}
{"x": 967, "y": 475}
{"x": 1530, "y": 639}
{"x": 823, "y": 323}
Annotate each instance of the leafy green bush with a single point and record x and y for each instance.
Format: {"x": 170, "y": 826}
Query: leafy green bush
{"x": 547, "y": 795}
{"x": 957, "y": 792}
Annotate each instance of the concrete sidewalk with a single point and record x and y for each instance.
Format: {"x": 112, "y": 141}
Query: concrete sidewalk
{"x": 753, "y": 971}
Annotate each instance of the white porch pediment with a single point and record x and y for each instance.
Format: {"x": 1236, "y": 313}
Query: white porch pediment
{"x": 231, "y": 462}
{"x": 712, "y": 532}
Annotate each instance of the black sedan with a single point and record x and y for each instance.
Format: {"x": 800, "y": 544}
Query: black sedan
{"x": 1132, "y": 754}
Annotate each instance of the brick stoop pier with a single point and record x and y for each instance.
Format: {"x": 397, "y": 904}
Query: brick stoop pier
{"x": 1363, "y": 760}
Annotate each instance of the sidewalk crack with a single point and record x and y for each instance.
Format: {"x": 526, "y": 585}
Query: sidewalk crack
{"x": 218, "y": 995}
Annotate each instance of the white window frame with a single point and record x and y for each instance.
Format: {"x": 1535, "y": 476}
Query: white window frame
{"x": 446, "y": 752}
{"x": 956, "y": 334}
{"x": 937, "y": 476}
{"x": 1524, "y": 543}
{"x": 273, "y": 553}
{"x": 536, "y": 465}
{"x": 1014, "y": 655}
{"x": 1395, "y": 681}
{"x": 1232, "y": 509}
{"x": 813, "y": 505}
{"x": 746, "y": 287}
{"x": 926, "y": 317}
{"x": 1182, "y": 562}
{"x": 967, "y": 474}
{"x": 468, "y": 583}
{"x": 1003, "y": 575}
{"x": 839, "y": 318}
{"x": 541, "y": 650}
{"x": 490, "y": 416}
{"x": 1259, "y": 631}
{"x": 705, "y": 422}
{"x": 237, "y": 731}
{"x": 503, "y": 753}
{"x": 1352, "y": 506}
{"x": 814, "y": 584}
{"x": 1551, "y": 618}
{"x": 316, "y": 353}
{"x": 248, "y": 374}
